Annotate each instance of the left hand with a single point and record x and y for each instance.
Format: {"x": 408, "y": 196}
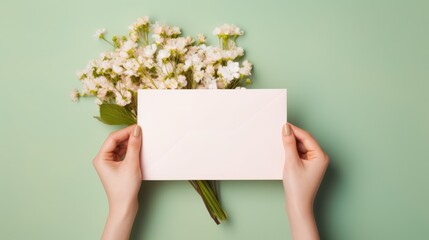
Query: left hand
{"x": 118, "y": 166}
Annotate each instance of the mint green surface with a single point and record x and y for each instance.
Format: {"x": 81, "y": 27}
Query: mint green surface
{"x": 357, "y": 74}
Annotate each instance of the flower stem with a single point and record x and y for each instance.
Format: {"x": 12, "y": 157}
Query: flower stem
{"x": 209, "y": 196}
{"x": 108, "y": 42}
{"x": 209, "y": 209}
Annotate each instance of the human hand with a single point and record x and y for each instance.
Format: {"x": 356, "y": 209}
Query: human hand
{"x": 305, "y": 166}
{"x": 118, "y": 166}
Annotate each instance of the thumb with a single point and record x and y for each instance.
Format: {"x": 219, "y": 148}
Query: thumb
{"x": 134, "y": 145}
{"x": 289, "y": 144}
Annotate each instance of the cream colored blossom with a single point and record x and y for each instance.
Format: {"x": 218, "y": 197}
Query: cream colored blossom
{"x": 201, "y": 38}
{"x": 228, "y": 30}
{"x": 99, "y": 34}
{"x": 230, "y": 71}
{"x": 246, "y": 69}
{"x": 158, "y": 57}
{"x": 163, "y": 54}
{"x": 74, "y": 95}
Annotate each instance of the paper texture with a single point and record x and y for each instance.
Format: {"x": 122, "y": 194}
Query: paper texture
{"x": 212, "y": 134}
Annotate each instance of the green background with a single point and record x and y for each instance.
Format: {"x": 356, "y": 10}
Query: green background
{"x": 357, "y": 74}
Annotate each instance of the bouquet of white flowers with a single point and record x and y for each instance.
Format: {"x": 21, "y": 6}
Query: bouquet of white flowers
{"x": 166, "y": 61}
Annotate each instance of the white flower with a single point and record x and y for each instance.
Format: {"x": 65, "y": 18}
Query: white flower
{"x": 212, "y": 84}
{"x": 135, "y": 30}
{"x": 167, "y": 63}
{"x": 160, "y": 85}
{"x": 198, "y": 75}
{"x": 240, "y": 88}
{"x": 209, "y": 70}
{"x": 173, "y": 31}
{"x": 104, "y": 55}
{"x": 158, "y": 39}
{"x": 232, "y": 53}
{"x": 99, "y": 34}
{"x": 227, "y": 54}
{"x": 188, "y": 64}
{"x": 236, "y": 30}
{"x": 238, "y": 51}
{"x": 140, "y": 22}
{"x": 165, "y": 31}
{"x": 80, "y": 74}
{"x": 171, "y": 83}
{"x": 163, "y": 54}
{"x": 167, "y": 68}
{"x": 158, "y": 29}
{"x": 102, "y": 82}
{"x": 123, "y": 97}
{"x": 130, "y": 85}
{"x": 193, "y": 61}
{"x": 128, "y": 45}
{"x": 217, "y": 31}
{"x": 230, "y": 71}
{"x": 101, "y": 94}
{"x": 189, "y": 40}
{"x": 246, "y": 69}
{"x": 149, "y": 63}
{"x": 131, "y": 64}
{"x": 106, "y": 64}
{"x": 180, "y": 67}
{"x": 134, "y": 36}
{"x": 176, "y": 44}
{"x": 89, "y": 87}
{"x": 227, "y": 30}
{"x": 74, "y": 95}
{"x": 201, "y": 38}
{"x": 182, "y": 80}
{"x": 130, "y": 73}
{"x": 149, "y": 50}
{"x": 213, "y": 54}
{"x": 117, "y": 69}
{"x": 123, "y": 54}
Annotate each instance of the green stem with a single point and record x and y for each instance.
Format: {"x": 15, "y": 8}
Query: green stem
{"x": 153, "y": 83}
{"x": 209, "y": 209}
{"x": 213, "y": 202}
{"x": 108, "y": 42}
{"x": 206, "y": 191}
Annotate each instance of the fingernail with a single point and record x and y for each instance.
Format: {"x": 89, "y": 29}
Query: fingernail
{"x": 286, "y": 129}
{"x": 137, "y": 131}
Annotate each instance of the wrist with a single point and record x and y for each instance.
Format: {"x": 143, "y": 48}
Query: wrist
{"x": 120, "y": 221}
{"x": 124, "y": 210}
{"x": 300, "y": 210}
{"x": 301, "y": 220}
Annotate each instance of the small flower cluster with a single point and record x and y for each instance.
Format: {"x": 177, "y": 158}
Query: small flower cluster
{"x": 166, "y": 61}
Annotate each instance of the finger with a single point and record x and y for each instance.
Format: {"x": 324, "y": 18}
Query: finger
{"x": 289, "y": 144}
{"x": 134, "y": 145}
{"x": 122, "y": 150}
{"x": 301, "y": 147}
{"x": 308, "y": 141}
{"x": 115, "y": 139}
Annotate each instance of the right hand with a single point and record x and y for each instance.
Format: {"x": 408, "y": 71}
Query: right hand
{"x": 305, "y": 166}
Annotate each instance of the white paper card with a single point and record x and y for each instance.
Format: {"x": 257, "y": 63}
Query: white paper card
{"x": 212, "y": 134}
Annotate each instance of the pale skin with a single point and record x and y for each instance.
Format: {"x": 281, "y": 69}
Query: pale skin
{"x": 118, "y": 166}
{"x": 305, "y": 166}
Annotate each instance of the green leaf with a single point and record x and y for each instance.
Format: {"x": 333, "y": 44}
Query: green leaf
{"x": 113, "y": 114}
